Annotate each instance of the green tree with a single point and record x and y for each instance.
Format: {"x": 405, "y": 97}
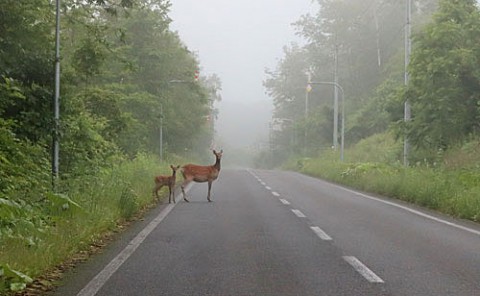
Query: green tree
{"x": 445, "y": 79}
{"x": 26, "y": 62}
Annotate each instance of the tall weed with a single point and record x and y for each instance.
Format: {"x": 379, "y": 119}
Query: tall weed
{"x": 453, "y": 188}
{"x": 43, "y": 235}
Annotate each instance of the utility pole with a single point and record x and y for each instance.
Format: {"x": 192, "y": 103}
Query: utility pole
{"x": 408, "y": 48}
{"x": 56, "y": 145}
{"x": 335, "y": 100}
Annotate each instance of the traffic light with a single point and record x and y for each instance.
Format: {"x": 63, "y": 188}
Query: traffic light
{"x": 197, "y": 75}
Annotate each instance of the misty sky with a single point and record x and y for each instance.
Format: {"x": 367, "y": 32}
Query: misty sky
{"x": 237, "y": 40}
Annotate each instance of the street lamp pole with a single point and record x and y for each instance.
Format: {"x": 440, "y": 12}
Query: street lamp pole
{"x": 342, "y": 145}
{"x": 408, "y": 48}
{"x": 56, "y": 145}
{"x": 161, "y": 132}
{"x": 307, "y": 90}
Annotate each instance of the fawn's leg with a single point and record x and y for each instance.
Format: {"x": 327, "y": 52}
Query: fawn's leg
{"x": 156, "y": 189}
{"x": 171, "y": 194}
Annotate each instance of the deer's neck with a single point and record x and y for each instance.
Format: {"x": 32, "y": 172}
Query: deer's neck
{"x": 217, "y": 164}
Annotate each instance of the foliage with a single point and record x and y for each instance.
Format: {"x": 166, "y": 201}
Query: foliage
{"x": 451, "y": 190}
{"x": 445, "y": 88}
{"x": 117, "y": 60}
{"x": 378, "y": 148}
{"x": 42, "y": 235}
{"x": 13, "y": 280}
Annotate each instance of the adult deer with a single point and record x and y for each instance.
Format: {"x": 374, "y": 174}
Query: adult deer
{"x": 169, "y": 181}
{"x": 201, "y": 174}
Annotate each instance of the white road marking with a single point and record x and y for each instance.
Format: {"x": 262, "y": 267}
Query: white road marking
{"x": 411, "y": 211}
{"x": 263, "y": 183}
{"x": 284, "y": 201}
{"x": 363, "y": 270}
{"x": 298, "y": 213}
{"x": 268, "y": 187}
{"x": 102, "y": 277}
{"x": 275, "y": 193}
{"x": 321, "y": 234}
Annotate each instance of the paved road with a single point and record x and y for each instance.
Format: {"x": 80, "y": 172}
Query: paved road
{"x": 282, "y": 233}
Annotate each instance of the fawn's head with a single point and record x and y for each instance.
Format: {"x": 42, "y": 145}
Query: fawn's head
{"x": 174, "y": 168}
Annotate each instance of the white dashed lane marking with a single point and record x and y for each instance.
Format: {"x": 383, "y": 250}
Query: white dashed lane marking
{"x": 353, "y": 261}
{"x": 298, "y": 213}
{"x": 320, "y": 233}
{"x": 363, "y": 270}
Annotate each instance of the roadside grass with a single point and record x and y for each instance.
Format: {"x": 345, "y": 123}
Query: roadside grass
{"x": 451, "y": 187}
{"x": 78, "y": 220}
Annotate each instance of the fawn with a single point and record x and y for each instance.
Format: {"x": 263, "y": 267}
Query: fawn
{"x": 169, "y": 181}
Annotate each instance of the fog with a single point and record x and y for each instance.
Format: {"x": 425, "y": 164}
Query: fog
{"x": 238, "y": 40}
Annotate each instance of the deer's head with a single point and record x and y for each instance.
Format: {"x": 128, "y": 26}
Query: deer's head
{"x": 218, "y": 155}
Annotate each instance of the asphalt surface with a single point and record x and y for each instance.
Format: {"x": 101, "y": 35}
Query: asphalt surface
{"x": 282, "y": 233}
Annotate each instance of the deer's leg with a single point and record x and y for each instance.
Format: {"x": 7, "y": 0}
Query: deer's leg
{"x": 209, "y": 189}
{"x": 183, "y": 189}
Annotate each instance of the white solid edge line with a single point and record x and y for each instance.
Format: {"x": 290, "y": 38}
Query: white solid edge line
{"x": 320, "y": 233}
{"x": 284, "y": 201}
{"x": 298, "y": 213}
{"x": 411, "y": 210}
{"x": 363, "y": 270}
{"x": 102, "y": 277}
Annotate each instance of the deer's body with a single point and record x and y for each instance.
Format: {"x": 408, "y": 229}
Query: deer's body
{"x": 201, "y": 174}
{"x": 169, "y": 181}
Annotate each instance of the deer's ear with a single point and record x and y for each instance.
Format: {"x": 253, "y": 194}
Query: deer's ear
{"x": 178, "y": 166}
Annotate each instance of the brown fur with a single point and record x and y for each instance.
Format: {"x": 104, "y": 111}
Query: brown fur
{"x": 201, "y": 174}
{"x": 169, "y": 181}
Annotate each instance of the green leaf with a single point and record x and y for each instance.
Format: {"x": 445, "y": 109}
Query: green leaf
{"x": 60, "y": 200}
{"x": 17, "y": 287}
